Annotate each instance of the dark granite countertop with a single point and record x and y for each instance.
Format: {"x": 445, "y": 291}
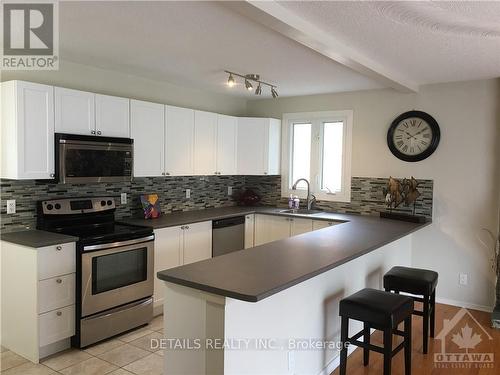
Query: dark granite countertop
{"x": 37, "y": 238}
{"x": 254, "y": 274}
{"x": 190, "y": 217}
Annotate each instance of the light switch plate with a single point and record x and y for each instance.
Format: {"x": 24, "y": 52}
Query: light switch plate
{"x": 463, "y": 279}
{"x": 229, "y": 190}
{"x": 188, "y": 193}
{"x": 123, "y": 198}
{"x": 11, "y": 206}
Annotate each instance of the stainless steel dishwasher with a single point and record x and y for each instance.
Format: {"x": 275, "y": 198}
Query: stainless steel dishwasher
{"x": 228, "y": 235}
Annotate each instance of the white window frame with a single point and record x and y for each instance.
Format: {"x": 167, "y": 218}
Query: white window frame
{"x": 316, "y": 119}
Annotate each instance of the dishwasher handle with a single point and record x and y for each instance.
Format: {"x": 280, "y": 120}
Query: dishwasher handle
{"x": 230, "y": 222}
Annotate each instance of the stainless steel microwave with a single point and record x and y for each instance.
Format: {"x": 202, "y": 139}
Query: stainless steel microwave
{"x": 87, "y": 159}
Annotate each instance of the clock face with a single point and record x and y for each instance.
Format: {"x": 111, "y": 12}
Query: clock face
{"x": 413, "y": 136}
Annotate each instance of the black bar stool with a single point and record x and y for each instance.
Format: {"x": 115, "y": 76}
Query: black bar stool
{"x": 419, "y": 282}
{"x": 379, "y": 310}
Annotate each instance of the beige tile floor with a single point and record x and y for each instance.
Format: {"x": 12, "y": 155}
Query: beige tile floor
{"x": 127, "y": 354}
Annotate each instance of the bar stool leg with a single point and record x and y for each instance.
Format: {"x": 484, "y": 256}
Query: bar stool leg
{"x": 425, "y": 319}
{"x": 344, "y": 331}
{"x": 366, "y": 339}
{"x": 387, "y": 351}
{"x": 407, "y": 338}
{"x": 433, "y": 312}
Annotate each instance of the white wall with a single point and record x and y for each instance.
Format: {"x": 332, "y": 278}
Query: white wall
{"x": 102, "y": 81}
{"x": 464, "y": 169}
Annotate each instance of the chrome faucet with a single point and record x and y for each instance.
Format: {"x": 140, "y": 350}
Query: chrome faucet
{"x": 309, "y": 200}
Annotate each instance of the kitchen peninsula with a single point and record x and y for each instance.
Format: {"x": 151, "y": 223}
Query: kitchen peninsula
{"x": 276, "y": 293}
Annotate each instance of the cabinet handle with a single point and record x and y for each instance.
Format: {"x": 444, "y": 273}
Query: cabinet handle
{"x": 183, "y": 227}
{"x": 98, "y": 132}
{"x": 52, "y": 175}
{"x": 265, "y": 172}
{"x": 167, "y": 173}
{"x": 59, "y": 313}
{"x": 59, "y": 281}
{"x": 58, "y": 248}
{"x": 92, "y": 132}
{"x": 187, "y": 226}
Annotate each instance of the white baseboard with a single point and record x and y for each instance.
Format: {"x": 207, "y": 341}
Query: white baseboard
{"x": 335, "y": 362}
{"x": 467, "y": 305}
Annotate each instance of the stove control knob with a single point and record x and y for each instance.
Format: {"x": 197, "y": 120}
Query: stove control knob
{"x": 50, "y": 207}
{"x": 103, "y": 203}
{"x": 110, "y": 203}
{"x": 57, "y": 206}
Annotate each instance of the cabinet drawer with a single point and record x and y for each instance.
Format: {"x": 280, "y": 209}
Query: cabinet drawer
{"x": 56, "y": 325}
{"x": 56, "y": 292}
{"x": 56, "y": 260}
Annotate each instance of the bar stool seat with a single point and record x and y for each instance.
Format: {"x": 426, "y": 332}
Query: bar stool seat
{"x": 411, "y": 280}
{"x": 419, "y": 282}
{"x": 379, "y": 310}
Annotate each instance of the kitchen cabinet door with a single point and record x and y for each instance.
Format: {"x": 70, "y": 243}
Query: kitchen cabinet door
{"x": 227, "y": 127}
{"x": 251, "y": 146}
{"x": 299, "y": 226}
{"x": 168, "y": 242}
{"x": 320, "y": 224}
{"x": 74, "y": 111}
{"x": 249, "y": 231}
{"x": 179, "y": 141}
{"x": 147, "y": 129}
{"x": 112, "y": 116}
{"x": 259, "y": 145}
{"x": 27, "y": 131}
{"x": 270, "y": 228}
{"x": 205, "y": 143}
{"x": 197, "y": 242}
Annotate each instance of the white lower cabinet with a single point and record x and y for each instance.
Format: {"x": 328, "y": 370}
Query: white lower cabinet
{"x": 320, "y": 224}
{"x": 56, "y": 325}
{"x": 269, "y": 228}
{"x": 177, "y": 246}
{"x": 38, "y": 298}
{"x": 249, "y": 231}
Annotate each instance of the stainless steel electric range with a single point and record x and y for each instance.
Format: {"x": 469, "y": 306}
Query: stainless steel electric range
{"x": 114, "y": 285}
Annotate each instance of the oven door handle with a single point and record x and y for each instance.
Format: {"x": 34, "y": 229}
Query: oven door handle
{"x": 119, "y": 243}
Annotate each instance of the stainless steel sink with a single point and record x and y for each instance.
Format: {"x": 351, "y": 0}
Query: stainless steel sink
{"x": 301, "y": 211}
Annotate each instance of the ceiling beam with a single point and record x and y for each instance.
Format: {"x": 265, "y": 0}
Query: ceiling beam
{"x": 272, "y": 15}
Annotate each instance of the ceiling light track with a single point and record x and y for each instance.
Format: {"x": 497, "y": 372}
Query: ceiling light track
{"x": 248, "y": 85}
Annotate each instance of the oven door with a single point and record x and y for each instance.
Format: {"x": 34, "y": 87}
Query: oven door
{"x": 91, "y": 161}
{"x": 117, "y": 273}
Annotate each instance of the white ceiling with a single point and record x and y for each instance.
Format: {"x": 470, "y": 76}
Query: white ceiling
{"x": 426, "y": 41}
{"x": 192, "y": 43}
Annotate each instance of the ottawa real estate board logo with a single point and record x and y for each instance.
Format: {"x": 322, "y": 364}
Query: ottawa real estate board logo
{"x": 461, "y": 339}
{"x": 30, "y": 35}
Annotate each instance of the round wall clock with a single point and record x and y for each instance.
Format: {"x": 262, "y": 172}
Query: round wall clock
{"x": 413, "y": 136}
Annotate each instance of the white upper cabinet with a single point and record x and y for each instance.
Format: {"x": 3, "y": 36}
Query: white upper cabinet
{"x": 227, "y": 133}
{"x": 147, "y": 129}
{"x": 179, "y": 141}
{"x": 112, "y": 116}
{"x": 259, "y": 142}
{"x": 74, "y": 111}
{"x": 27, "y": 130}
{"x": 205, "y": 141}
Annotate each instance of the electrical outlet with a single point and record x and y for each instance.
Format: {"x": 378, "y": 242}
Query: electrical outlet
{"x": 11, "y": 206}
{"x": 291, "y": 361}
{"x": 188, "y": 193}
{"x": 463, "y": 279}
{"x": 123, "y": 198}
{"x": 229, "y": 190}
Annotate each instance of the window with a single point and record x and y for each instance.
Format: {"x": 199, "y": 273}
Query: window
{"x": 319, "y": 150}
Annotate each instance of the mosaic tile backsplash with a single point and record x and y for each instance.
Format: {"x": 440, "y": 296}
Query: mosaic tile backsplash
{"x": 206, "y": 192}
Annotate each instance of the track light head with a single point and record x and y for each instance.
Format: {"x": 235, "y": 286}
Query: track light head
{"x": 248, "y": 85}
{"x": 258, "y": 90}
{"x": 230, "y": 80}
{"x": 274, "y": 93}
